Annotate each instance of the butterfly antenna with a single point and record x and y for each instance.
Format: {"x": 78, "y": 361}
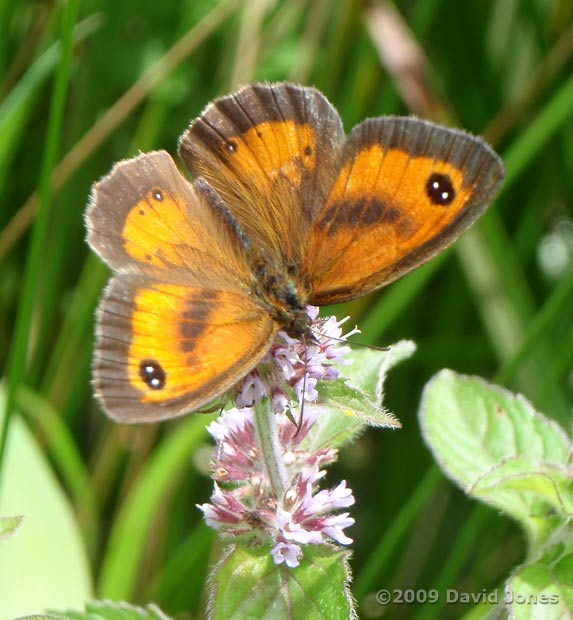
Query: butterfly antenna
{"x": 357, "y": 344}
{"x": 301, "y": 417}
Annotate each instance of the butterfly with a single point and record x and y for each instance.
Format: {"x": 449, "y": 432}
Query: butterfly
{"x": 283, "y": 211}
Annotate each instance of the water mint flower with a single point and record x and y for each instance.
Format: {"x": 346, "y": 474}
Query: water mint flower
{"x": 248, "y": 505}
{"x": 266, "y": 479}
{"x": 292, "y": 365}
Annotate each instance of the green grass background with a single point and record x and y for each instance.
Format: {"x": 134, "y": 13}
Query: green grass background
{"x": 84, "y": 84}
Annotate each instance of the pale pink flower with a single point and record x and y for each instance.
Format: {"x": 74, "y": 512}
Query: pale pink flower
{"x": 246, "y": 505}
{"x": 292, "y": 366}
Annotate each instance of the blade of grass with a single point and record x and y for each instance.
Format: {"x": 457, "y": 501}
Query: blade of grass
{"x": 561, "y": 300}
{"x": 493, "y": 269}
{"x": 310, "y": 41}
{"x": 542, "y": 77}
{"x": 248, "y": 42}
{"x": 188, "y": 559}
{"x": 376, "y": 563}
{"x": 72, "y": 335}
{"x": 109, "y": 121}
{"x": 465, "y": 543}
{"x": 16, "y": 108}
{"x": 19, "y": 346}
{"x": 526, "y": 147}
{"x": 5, "y": 21}
{"x": 132, "y": 525}
{"x": 390, "y": 305}
{"x": 559, "y": 369}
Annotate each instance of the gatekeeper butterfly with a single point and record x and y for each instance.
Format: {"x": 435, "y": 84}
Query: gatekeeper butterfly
{"x": 284, "y": 210}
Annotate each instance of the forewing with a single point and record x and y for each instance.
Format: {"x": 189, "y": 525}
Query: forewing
{"x": 145, "y": 217}
{"x": 270, "y": 151}
{"x": 405, "y": 190}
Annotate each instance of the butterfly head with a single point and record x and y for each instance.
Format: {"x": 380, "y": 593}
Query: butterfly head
{"x": 285, "y": 295}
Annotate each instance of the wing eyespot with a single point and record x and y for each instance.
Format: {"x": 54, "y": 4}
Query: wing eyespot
{"x": 157, "y": 195}
{"x": 152, "y": 374}
{"x": 231, "y": 146}
{"x": 440, "y": 189}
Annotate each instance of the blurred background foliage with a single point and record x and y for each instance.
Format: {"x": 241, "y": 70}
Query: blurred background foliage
{"x": 84, "y": 84}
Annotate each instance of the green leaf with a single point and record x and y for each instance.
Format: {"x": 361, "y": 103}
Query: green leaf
{"x": 497, "y": 447}
{"x": 354, "y": 401}
{"x": 9, "y": 526}
{"x": 43, "y": 617}
{"x": 541, "y": 591}
{"x": 356, "y": 405}
{"x": 46, "y": 564}
{"x": 248, "y": 584}
{"x": 105, "y": 610}
{"x": 108, "y": 610}
{"x": 368, "y": 368}
{"x": 549, "y": 483}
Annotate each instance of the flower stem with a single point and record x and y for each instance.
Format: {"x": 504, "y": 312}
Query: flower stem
{"x": 268, "y": 439}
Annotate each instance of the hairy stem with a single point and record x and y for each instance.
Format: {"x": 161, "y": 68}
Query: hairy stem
{"x": 271, "y": 454}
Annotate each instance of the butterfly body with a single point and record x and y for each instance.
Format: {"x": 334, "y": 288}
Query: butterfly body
{"x": 285, "y": 303}
{"x": 283, "y": 211}
{"x": 275, "y": 285}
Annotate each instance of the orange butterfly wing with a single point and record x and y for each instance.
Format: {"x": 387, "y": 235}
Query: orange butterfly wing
{"x": 284, "y": 211}
{"x": 341, "y": 216}
{"x": 146, "y": 217}
{"x": 405, "y": 190}
{"x": 164, "y": 350}
{"x": 270, "y": 151}
{"x": 177, "y": 325}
